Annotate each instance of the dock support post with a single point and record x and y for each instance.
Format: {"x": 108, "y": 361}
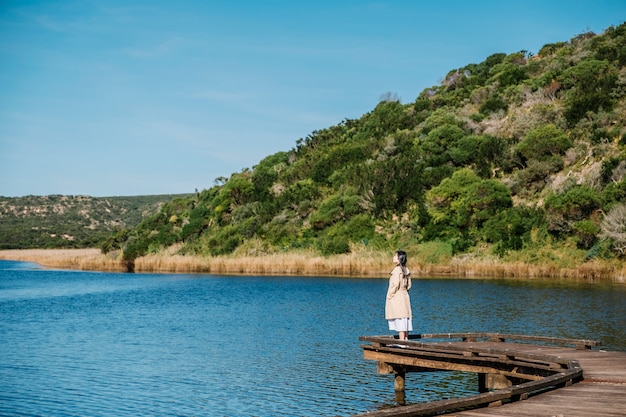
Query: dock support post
{"x": 399, "y": 383}
{"x": 488, "y": 382}
{"x": 482, "y": 383}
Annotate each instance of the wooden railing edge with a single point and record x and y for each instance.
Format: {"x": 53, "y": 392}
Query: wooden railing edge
{"x": 389, "y": 341}
{"x": 500, "y": 337}
{"x": 553, "y": 363}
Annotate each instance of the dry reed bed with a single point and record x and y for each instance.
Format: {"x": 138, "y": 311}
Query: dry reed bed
{"x": 272, "y": 264}
{"x": 364, "y": 264}
{"x": 80, "y": 259}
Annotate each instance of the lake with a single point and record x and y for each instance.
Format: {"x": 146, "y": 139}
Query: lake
{"x": 76, "y": 343}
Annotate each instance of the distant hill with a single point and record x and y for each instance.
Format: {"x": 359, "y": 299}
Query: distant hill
{"x": 62, "y": 221}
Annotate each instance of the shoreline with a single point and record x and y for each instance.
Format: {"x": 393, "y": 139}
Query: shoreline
{"x": 365, "y": 265}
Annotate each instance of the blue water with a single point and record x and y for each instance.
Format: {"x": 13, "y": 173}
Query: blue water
{"x": 108, "y": 344}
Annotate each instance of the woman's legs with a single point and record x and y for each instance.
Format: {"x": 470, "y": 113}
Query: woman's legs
{"x": 397, "y": 324}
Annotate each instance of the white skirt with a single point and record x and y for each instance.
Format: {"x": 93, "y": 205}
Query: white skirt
{"x": 404, "y": 324}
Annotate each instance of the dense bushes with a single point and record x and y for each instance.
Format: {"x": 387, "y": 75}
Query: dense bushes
{"x": 574, "y": 205}
{"x": 589, "y": 85}
{"x": 461, "y": 204}
{"x": 509, "y": 153}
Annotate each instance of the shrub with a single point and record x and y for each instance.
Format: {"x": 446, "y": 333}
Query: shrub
{"x": 224, "y": 241}
{"x": 465, "y": 201}
{"x": 134, "y": 249}
{"x": 511, "y": 229}
{"x": 303, "y": 190}
{"x": 434, "y": 252}
{"x": 534, "y": 176}
{"x": 284, "y": 229}
{"x": 602, "y": 249}
{"x": 483, "y": 152}
{"x": 493, "y": 105}
{"x": 333, "y": 245}
{"x": 544, "y": 142}
{"x": 589, "y": 84}
{"x": 510, "y": 73}
{"x": 609, "y": 165}
{"x": 340, "y": 206}
{"x": 337, "y": 238}
{"x": 614, "y": 192}
{"x": 575, "y": 204}
{"x": 265, "y": 173}
{"x": 386, "y": 118}
{"x": 550, "y": 49}
{"x": 586, "y": 233}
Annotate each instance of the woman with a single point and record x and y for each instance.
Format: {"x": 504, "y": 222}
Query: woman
{"x": 398, "y": 304}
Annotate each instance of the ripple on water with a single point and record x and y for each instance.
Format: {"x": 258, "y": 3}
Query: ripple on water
{"x": 161, "y": 345}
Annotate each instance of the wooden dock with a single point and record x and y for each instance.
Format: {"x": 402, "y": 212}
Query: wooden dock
{"x": 518, "y": 375}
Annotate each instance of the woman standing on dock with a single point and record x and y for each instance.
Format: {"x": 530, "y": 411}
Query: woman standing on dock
{"x": 398, "y": 304}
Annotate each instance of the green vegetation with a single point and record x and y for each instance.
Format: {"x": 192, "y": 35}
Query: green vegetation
{"x": 58, "y": 221}
{"x": 512, "y": 155}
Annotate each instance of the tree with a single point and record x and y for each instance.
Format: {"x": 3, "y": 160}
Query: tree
{"x": 614, "y": 228}
{"x": 576, "y": 204}
{"x": 544, "y": 142}
{"x": 389, "y": 96}
{"x": 465, "y": 201}
{"x": 511, "y": 228}
{"x": 265, "y": 174}
{"x": 589, "y": 84}
{"x": 387, "y": 117}
{"x": 586, "y": 233}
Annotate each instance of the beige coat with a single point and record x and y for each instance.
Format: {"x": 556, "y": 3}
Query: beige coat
{"x": 398, "y": 304}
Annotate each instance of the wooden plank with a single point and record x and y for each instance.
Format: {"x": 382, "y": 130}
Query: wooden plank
{"x": 551, "y": 381}
{"x": 502, "y": 363}
{"x": 438, "y": 406}
{"x": 460, "y": 347}
{"x": 390, "y": 358}
{"x": 579, "y": 400}
{"x": 602, "y": 392}
{"x": 477, "y": 354}
{"x": 579, "y": 343}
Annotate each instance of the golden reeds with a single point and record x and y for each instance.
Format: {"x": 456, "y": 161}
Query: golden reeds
{"x": 80, "y": 259}
{"x": 270, "y": 264}
{"x": 359, "y": 263}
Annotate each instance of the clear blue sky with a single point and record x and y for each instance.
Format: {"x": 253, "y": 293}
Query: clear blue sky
{"x": 123, "y": 97}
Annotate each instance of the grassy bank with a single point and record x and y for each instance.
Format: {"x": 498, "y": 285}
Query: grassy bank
{"x": 359, "y": 264}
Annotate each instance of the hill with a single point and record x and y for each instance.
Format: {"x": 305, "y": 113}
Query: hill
{"x": 61, "y": 221}
{"x": 519, "y": 158}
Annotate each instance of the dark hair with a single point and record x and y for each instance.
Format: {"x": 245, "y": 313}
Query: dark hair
{"x": 401, "y": 257}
